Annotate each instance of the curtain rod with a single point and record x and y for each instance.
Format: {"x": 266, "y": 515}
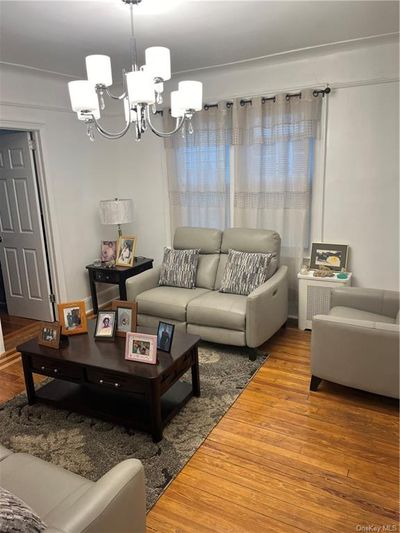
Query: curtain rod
{"x": 244, "y": 101}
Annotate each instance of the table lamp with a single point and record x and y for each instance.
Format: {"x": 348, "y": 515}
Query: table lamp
{"x": 117, "y": 211}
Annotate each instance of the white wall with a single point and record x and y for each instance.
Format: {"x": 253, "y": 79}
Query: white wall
{"x": 361, "y": 166}
{"x": 361, "y": 201}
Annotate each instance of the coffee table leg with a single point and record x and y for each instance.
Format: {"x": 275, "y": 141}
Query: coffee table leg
{"x": 29, "y": 385}
{"x": 196, "y": 373}
{"x": 155, "y": 411}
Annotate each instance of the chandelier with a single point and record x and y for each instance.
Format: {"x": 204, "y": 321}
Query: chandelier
{"x": 142, "y": 92}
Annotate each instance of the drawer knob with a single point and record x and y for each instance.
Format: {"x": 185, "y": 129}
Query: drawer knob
{"x": 101, "y": 382}
{"x": 42, "y": 368}
{"x": 55, "y": 371}
{"x": 116, "y": 384}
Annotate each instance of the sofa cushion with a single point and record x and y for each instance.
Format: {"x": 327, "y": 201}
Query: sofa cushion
{"x": 167, "y": 302}
{"x": 20, "y": 472}
{"x": 16, "y": 515}
{"x": 207, "y": 271}
{"x": 219, "y": 310}
{"x": 251, "y": 240}
{"x": 244, "y": 272}
{"x": 206, "y": 239}
{"x": 179, "y": 268}
{"x": 357, "y": 314}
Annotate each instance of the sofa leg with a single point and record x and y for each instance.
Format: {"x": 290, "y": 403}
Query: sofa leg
{"x": 253, "y": 355}
{"x": 314, "y": 384}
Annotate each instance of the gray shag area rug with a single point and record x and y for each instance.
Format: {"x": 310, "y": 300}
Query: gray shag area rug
{"x": 90, "y": 447}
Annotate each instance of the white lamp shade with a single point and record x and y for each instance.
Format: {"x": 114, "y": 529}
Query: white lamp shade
{"x": 177, "y": 109}
{"x": 83, "y": 96}
{"x": 158, "y": 61}
{"x": 191, "y": 94}
{"x": 116, "y": 211}
{"x": 98, "y": 68}
{"x": 140, "y": 87}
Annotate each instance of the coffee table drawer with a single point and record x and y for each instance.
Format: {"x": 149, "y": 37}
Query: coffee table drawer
{"x": 56, "y": 369}
{"x": 111, "y": 380}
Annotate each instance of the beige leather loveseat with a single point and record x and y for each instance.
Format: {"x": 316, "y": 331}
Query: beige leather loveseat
{"x": 204, "y": 311}
{"x": 68, "y": 503}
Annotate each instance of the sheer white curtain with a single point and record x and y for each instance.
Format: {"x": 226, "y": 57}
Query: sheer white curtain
{"x": 274, "y": 163}
{"x": 199, "y": 171}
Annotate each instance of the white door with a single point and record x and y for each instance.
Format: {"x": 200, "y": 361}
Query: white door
{"x": 22, "y": 248}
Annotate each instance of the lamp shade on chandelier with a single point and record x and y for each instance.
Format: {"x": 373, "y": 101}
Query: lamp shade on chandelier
{"x": 142, "y": 92}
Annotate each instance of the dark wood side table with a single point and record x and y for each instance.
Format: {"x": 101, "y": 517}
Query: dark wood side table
{"x": 116, "y": 275}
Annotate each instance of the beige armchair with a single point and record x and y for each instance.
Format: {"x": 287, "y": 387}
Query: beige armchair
{"x": 357, "y": 343}
{"x": 68, "y": 503}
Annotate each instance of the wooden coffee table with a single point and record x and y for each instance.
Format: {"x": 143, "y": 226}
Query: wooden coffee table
{"x": 93, "y": 378}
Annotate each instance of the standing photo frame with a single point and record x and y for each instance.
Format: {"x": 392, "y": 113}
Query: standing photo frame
{"x": 105, "y": 325}
{"x": 141, "y": 348}
{"x": 72, "y": 317}
{"x": 333, "y": 256}
{"x": 126, "y": 319}
{"x": 126, "y": 251}
{"x": 49, "y": 335}
{"x": 165, "y": 334}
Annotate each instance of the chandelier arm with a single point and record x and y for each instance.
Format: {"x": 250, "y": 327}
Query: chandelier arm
{"x": 114, "y": 96}
{"x": 179, "y": 123}
{"x": 107, "y": 134}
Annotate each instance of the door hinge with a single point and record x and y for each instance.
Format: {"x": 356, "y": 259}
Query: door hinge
{"x": 52, "y": 298}
{"x": 32, "y": 144}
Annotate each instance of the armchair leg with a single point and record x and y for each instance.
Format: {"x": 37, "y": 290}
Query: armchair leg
{"x": 314, "y": 384}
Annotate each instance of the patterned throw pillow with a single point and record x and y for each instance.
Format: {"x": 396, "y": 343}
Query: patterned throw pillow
{"x": 244, "y": 272}
{"x": 16, "y": 516}
{"x": 179, "y": 268}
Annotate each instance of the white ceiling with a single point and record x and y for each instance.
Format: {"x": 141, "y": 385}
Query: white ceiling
{"x": 57, "y": 35}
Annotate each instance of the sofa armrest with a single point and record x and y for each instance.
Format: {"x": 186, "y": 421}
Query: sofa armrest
{"x": 372, "y": 300}
{"x": 142, "y": 282}
{"x": 267, "y": 308}
{"x": 356, "y": 353}
{"x": 116, "y": 502}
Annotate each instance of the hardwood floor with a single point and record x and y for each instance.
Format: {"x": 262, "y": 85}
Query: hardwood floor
{"x": 283, "y": 459}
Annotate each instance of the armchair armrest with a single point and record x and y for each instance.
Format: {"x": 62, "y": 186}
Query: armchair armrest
{"x": 267, "y": 308}
{"x": 142, "y": 282}
{"x": 372, "y": 300}
{"x": 116, "y": 502}
{"x": 356, "y": 353}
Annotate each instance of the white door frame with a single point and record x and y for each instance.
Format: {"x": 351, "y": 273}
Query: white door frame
{"x": 38, "y": 131}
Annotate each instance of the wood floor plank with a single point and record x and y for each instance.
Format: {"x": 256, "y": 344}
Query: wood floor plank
{"x": 283, "y": 458}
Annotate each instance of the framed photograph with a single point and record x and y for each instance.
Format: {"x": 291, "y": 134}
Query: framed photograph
{"x": 108, "y": 251}
{"x": 126, "y": 251}
{"x": 165, "y": 334}
{"x": 140, "y": 347}
{"x": 333, "y": 256}
{"x": 72, "y": 317}
{"x": 105, "y": 325}
{"x": 49, "y": 334}
{"x": 126, "y": 317}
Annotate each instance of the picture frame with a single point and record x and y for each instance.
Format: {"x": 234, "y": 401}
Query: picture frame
{"x": 333, "y": 256}
{"x": 50, "y": 334}
{"x": 126, "y": 319}
{"x": 141, "y": 348}
{"x": 108, "y": 252}
{"x": 126, "y": 251}
{"x": 105, "y": 325}
{"x": 165, "y": 335}
{"x": 72, "y": 317}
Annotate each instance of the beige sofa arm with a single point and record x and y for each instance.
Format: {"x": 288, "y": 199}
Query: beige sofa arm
{"x": 372, "y": 300}
{"x": 116, "y": 502}
{"x": 267, "y": 308}
{"x": 142, "y": 282}
{"x": 356, "y": 353}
